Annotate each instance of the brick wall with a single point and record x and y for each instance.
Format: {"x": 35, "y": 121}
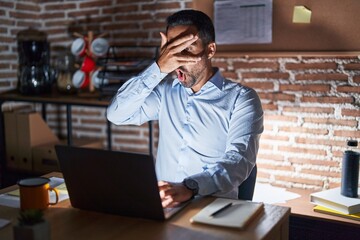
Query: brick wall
{"x": 311, "y": 102}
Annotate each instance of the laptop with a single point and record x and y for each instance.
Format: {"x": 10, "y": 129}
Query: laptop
{"x": 112, "y": 182}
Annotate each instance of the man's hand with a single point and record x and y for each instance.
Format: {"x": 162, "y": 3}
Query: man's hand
{"x": 173, "y": 193}
{"x": 170, "y": 53}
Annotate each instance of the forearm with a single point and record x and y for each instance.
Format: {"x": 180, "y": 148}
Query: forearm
{"x": 127, "y": 107}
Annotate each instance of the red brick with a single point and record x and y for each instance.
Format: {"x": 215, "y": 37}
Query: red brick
{"x": 99, "y": 3}
{"x": 27, "y": 24}
{"x": 307, "y": 161}
{"x": 274, "y": 97}
{"x": 275, "y": 167}
{"x": 317, "y": 131}
{"x": 22, "y": 15}
{"x": 261, "y": 174}
{"x": 59, "y": 6}
{"x": 96, "y": 130}
{"x": 133, "y": 17}
{"x": 27, "y": 7}
{"x": 274, "y": 157}
{"x": 219, "y": 64}
{"x": 321, "y": 173}
{"x": 229, "y": 75}
{"x": 332, "y": 121}
{"x": 339, "y": 100}
{"x": 265, "y": 146}
{"x": 309, "y": 109}
{"x": 317, "y": 141}
{"x": 350, "y": 112}
{"x": 7, "y": 4}
{"x": 324, "y": 76}
{"x": 304, "y": 88}
{"x": 312, "y": 182}
{"x": 306, "y": 66}
{"x": 265, "y": 136}
{"x": 280, "y": 118}
{"x": 352, "y": 66}
{"x": 348, "y": 89}
{"x": 157, "y": 6}
{"x": 265, "y": 75}
{"x": 122, "y": 9}
{"x": 134, "y": 141}
{"x": 348, "y": 134}
{"x": 270, "y": 107}
{"x": 255, "y": 65}
{"x": 154, "y": 25}
{"x": 356, "y": 78}
{"x": 302, "y": 150}
{"x": 260, "y": 85}
{"x": 83, "y": 13}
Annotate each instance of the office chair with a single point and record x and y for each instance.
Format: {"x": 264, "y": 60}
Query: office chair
{"x": 246, "y": 188}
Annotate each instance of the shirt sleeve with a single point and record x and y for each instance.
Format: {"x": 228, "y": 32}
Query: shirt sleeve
{"x": 136, "y": 102}
{"x": 246, "y": 126}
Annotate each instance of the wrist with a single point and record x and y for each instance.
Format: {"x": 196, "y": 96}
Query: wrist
{"x": 191, "y": 185}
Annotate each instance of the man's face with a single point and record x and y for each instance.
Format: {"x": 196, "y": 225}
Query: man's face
{"x": 195, "y": 75}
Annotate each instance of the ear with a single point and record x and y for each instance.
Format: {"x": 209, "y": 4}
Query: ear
{"x": 211, "y": 49}
{"x": 163, "y": 39}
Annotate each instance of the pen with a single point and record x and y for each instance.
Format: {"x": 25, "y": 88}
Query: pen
{"x": 221, "y": 209}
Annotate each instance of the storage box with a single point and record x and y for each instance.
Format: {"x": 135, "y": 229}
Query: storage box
{"x": 11, "y": 148}
{"x": 24, "y": 130}
{"x": 45, "y": 159}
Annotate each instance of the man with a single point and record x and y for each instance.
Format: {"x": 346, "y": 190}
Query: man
{"x": 209, "y": 127}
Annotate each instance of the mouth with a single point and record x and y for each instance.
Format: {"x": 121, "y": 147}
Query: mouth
{"x": 181, "y": 75}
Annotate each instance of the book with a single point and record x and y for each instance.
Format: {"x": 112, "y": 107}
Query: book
{"x": 321, "y": 209}
{"x": 228, "y": 213}
{"x": 334, "y": 200}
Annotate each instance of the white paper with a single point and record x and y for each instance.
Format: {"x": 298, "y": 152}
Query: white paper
{"x": 14, "y": 201}
{"x": 269, "y": 194}
{"x": 243, "y": 21}
{"x": 3, "y": 222}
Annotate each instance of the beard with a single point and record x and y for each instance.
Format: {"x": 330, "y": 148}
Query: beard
{"x": 188, "y": 78}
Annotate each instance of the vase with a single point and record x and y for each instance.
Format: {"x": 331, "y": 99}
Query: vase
{"x": 39, "y": 231}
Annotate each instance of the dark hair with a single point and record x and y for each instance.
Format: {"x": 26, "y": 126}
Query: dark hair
{"x": 200, "y": 20}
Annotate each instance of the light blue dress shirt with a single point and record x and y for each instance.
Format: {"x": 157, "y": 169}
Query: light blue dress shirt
{"x": 211, "y": 136}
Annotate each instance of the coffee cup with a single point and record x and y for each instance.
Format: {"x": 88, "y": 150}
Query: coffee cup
{"x": 78, "y": 47}
{"x": 99, "y": 47}
{"x": 88, "y": 64}
{"x": 98, "y": 81}
{"x": 34, "y": 193}
{"x": 81, "y": 79}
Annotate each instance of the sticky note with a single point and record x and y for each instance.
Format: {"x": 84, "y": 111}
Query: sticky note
{"x": 301, "y": 14}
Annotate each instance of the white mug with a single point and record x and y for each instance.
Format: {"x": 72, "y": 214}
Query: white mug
{"x": 80, "y": 79}
{"x": 99, "y": 47}
{"x": 96, "y": 81}
{"x": 78, "y": 47}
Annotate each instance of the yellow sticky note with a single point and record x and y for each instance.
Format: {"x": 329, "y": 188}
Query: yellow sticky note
{"x": 301, "y": 14}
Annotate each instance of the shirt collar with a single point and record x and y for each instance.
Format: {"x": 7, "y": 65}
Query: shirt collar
{"x": 217, "y": 80}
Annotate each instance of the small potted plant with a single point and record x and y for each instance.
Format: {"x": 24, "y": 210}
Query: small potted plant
{"x": 32, "y": 226}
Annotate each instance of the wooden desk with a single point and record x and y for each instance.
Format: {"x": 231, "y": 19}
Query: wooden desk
{"x": 307, "y": 224}
{"x": 69, "y": 223}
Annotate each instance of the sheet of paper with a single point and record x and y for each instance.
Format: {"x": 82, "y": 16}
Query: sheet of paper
{"x": 12, "y": 199}
{"x": 277, "y": 194}
{"x": 301, "y": 15}
{"x": 243, "y": 21}
{"x": 3, "y": 222}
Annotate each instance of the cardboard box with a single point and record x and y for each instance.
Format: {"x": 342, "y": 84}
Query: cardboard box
{"x": 10, "y": 139}
{"x": 30, "y": 130}
{"x": 45, "y": 159}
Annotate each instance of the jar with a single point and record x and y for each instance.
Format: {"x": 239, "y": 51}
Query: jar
{"x": 65, "y": 67}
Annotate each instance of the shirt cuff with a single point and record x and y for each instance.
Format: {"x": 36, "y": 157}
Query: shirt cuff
{"x": 152, "y": 76}
{"x": 205, "y": 183}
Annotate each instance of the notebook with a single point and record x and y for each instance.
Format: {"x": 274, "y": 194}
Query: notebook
{"x": 112, "y": 182}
